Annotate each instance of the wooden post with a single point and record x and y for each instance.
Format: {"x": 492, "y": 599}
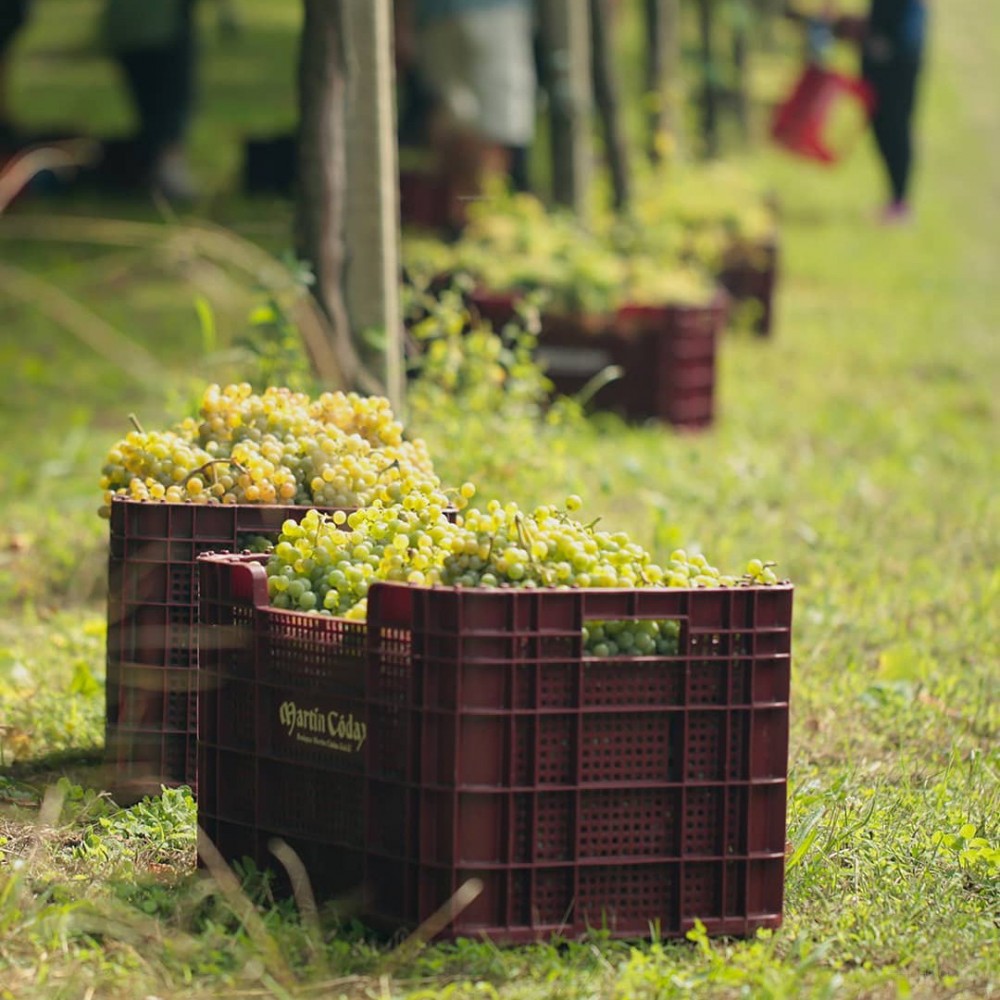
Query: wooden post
{"x": 710, "y": 89}
{"x": 673, "y": 74}
{"x": 606, "y": 90}
{"x": 322, "y": 178}
{"x": 741, "y": 15}
{"x": 663, "y": 77}
{"x": 372, "y": 210}
{"x": 565, "y": 29}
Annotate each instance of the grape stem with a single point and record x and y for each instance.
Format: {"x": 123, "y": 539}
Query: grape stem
{"x": 597, "y": 382}
{"x": 134, "y": 420}
{"x": 211, "y": 464}
{"x": 524, "y": 536}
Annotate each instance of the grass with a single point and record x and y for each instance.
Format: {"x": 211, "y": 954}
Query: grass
{"x": 858, "y": 449}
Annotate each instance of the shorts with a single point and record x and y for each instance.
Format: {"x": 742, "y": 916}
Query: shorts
{"x": 480, "y": 66}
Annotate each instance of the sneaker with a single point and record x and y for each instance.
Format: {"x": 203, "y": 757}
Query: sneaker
{"x": 896, "y": 213}
{"x": 172, "y": 177}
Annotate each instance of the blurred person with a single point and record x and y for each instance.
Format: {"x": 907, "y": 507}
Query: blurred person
{"x": 892, "y": 38}
{"x": 153, "y": 43}
{"x": 476, "y": 58}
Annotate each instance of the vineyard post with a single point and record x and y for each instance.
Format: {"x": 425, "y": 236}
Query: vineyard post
{"x": 565, "y": 32}
{"x": 709, "y": 88}
{"x": 740, "y": 18}
{"x": 321, "y": 189}
{"x": 372, "y": 209}
{"x": 663, "y": 77}
{"x": 607, "y": 93}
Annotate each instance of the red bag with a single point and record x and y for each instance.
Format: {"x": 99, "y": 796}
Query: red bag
{"x": 824, "y": 114}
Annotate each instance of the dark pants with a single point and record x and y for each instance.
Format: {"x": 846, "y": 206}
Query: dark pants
{"x": 161, "y": 82}
{"x": 895, "y": 85}
{"x": 13, "y": 14}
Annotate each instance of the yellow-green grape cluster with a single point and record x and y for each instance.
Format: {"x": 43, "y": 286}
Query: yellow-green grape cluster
{"x": 694, "y": 570}
{"x": 154, "y": 465}
{"x": 255, "y": 543}
{"x": 327, "y": 563}
{"x": 631, "y": 638}
{"x": 370, "y": 417}
{"x": 235, "y": 413}
{"x": 545, "y": 548}
{"x": 347, "y": 470}
{"x": 275, "y": 447}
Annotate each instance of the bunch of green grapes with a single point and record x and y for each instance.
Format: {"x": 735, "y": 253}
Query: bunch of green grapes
{"x": 345, "y": 470}
{"x": 544, "y": 548}
{"x": 154, "y": 465}
{"x": 275, "y": 447}
{"x": 370, "y": 417}
{"x": 326, "y": 563}
{"x": 255, "y": 543}
{"x": 236, "y": 413}
{"x": 632, "y": 638}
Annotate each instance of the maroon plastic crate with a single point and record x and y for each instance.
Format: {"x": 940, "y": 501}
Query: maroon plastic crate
{"x": 666, "y": 355}
{"x": 152, "y": 641}
{"x": 465, "y": 734}
{"x": 426, "y": 200}
{"x": 753, "y": 277}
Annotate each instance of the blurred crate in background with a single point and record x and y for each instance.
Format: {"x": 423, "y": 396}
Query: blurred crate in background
{"x": 664, "y": 355}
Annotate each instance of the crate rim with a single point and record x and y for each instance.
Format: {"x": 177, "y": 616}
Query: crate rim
{"x": 254, "y": 563}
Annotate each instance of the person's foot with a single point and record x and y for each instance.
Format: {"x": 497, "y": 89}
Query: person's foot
{"x": 172, "y": 178}
{"x": 896, "y": 213}
{"x": 9, "y": 135}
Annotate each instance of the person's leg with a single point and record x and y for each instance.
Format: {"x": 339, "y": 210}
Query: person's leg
{"x": 520, "y": 177}
{"x": 161, "y": 83}
{"x": 480, "y": 66}
{"x": 895, "y": 86}
{"x": 445, "y": 54}
{"x": 13, "y": 15}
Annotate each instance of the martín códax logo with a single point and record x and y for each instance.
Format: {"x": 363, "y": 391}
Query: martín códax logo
{"x": 331, "y": 729}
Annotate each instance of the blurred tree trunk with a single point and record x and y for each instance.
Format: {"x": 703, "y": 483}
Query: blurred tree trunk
{"x": 766, "y": 15}
{"x": 565, "y": 34}
{"x": 709, "y": 85}
{"x": 607, "y": 91}
{"x": 372, "y": 220}
{"x": 321, "y": 190}
{"x": 662, "y": 21}
{"x": 740, "y": 28}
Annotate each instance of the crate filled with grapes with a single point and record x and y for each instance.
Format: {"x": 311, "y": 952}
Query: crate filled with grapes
{"x": 224, "y": 480}
{"x": 660, "y": 358}
{"x": 512, "y": 710}
{"x": 589, "y": 286}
